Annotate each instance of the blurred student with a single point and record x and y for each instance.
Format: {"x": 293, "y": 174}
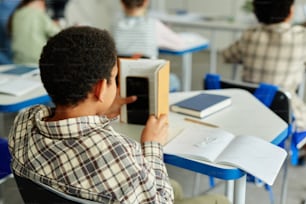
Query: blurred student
{"x": 30, "y": 28}
{"x": 138, "y": 33}
{"x": 274, "y": 51}
{"x": 6, "y": 9}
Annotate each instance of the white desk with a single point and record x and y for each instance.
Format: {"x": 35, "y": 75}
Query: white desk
{"x": 246, "y": 116}
{"x": 10, "y": 103}
{"x": 186, "y": 61}
{"x": 190, "y": 21}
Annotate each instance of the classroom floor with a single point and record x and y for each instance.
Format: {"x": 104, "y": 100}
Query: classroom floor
{"x": 195, "y": 183}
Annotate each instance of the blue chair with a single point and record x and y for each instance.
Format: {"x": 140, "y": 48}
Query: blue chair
{"x": 5, "y": 160}
{"x": 274, "y": 98}
{"x": 6, "y": 9}
{"x": 298, "y": 140}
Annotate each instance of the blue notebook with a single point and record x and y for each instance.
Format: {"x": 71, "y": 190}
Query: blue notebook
{"x": 21, "y": 70}
{"x": 201, "y": 105}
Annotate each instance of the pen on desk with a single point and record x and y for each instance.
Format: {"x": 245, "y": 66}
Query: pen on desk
{"x": 200, "y": 122}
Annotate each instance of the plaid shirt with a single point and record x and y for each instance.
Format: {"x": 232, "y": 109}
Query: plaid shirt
{"x": 86, "y": 158}
{"x": 273, "y": 54}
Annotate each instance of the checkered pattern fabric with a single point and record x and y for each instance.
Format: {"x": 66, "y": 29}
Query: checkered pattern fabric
{"x": 86, "y": 158}
{"x": 273, "y": 54}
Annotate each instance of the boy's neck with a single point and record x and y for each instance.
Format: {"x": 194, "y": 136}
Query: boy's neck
{"x": 66, "y": 112}
{"x": 290, "y": 15}
{"x": 38, "y": 4}
{"x": 135, "y": 12}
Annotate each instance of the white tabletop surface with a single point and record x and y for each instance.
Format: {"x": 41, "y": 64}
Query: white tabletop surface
{"x": 6, "y": 99}
{"x": 246, "y": 116}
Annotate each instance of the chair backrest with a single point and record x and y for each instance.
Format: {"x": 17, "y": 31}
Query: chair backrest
{"x": 5, "y": 159}
{"x": 34, "y": 193}
{"x": 279, "y": 104}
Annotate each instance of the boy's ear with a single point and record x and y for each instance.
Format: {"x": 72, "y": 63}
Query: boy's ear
{"x": 100, "y": 89}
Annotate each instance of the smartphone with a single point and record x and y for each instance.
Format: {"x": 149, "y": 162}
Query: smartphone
{"x": 138, "y": 112}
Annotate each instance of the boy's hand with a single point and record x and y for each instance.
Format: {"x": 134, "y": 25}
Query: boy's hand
{"x": 156, "y": 130}
{"x": 114, "y": 110}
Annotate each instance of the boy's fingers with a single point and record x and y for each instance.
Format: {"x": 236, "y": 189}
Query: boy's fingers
{"x": 163, "y": 118}
{"x": 129, "y": 99}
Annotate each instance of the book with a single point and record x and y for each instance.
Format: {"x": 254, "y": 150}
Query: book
{"x": 201, "y": 105}
{"x": 21, "y": 70}
{"x": 19, "y": 86}
{"x": 189, "y": 40}
{"x": 3, "y": 79}
{"x": 148, "y": 79}
{"x": 192, "y": 40}
{"x": 249, "y": 153}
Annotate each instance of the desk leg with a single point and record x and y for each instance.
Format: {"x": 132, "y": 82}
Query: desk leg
{"x": 239, "y": 190}
{"x": 229, "y": 190}
{"x": 186, "y": 71}
{"x": 283, "y": 199}
{"x": 213, "y": 53}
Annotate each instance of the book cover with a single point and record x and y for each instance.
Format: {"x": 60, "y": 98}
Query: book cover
{"x": 20, "y": 86}
{"x": 201, "y": 105}
{"x": 188, "y": 41}
{"x": 149, "y": 80}
{"x": 21, "y": 70}
{"x": 249, "y": 153}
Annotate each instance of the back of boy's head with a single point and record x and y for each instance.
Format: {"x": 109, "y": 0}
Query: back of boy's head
{"x": 73, "y": 61}
{"x": 132, "y": 4}
{"x": 272, "y": 11}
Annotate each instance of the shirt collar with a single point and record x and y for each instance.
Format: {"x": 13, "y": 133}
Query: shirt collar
{"x": 277, "y": 26}
{"x": 68, "y": 128}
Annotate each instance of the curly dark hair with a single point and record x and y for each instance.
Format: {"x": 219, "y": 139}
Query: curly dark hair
{"x": 74, "y": 60}
{"x": 272, "y": 11}
{"x": 131, "y": 4}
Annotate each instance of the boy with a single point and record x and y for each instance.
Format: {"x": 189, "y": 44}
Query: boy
{"x": 273, "y": 52}
{"x": 73, "y": 148}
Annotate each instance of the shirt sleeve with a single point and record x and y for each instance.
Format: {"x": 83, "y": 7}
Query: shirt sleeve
{"x": 233, "y": 53}
{"x": 145, "y": 176}
{"x": 166, "y": 37}
{"x": 51, "y": 28}
{"x": 154, "y": 155}
{"x": 155, "y": 187}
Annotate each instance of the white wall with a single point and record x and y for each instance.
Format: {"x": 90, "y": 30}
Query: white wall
{"x": 98, "y": 13}
{"x": 225, "y": 8}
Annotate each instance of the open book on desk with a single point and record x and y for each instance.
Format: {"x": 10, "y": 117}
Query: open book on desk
{"x": 251, "y": 154}
{"x": 17, "y": 80}
{"x": 189, "y": 41}
{"x": 18, "y": 86}
{"x": 21, "y": 71}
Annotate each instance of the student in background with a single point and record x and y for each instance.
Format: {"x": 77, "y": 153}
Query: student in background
{"x": 137, "y": 33}
{"x": 274, "y": 51}
{"x": 6, "y": 9}
{"x": 30, "y": 27}
{"x": 73, "y": 148}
